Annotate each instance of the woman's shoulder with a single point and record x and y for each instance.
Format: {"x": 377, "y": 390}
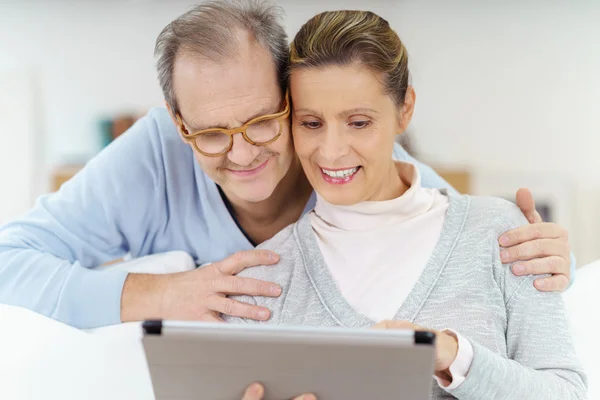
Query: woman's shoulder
{"x": 282, "y": 239}
{"x": 493, "y": 213}
{"x": 487, "y": 219}
{"x": 284, "y": 244}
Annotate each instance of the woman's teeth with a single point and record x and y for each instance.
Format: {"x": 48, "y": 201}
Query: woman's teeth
{"x": 344, "y": 173}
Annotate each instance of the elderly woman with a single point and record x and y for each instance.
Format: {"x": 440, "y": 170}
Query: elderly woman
{"x": 381, "y": 250}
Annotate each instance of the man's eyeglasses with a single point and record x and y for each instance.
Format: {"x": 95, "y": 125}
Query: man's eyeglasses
{"x": 259, "y": 131}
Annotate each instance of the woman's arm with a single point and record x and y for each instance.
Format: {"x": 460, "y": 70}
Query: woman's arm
{"x": 542, "y": 362}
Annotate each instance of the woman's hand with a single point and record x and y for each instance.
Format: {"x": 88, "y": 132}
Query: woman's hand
{"x": 538, "y": 248}
{"x": 446, "y": 346}
{"x": 256, "y": 392}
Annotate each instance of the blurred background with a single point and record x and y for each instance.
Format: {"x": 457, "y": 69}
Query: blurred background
{"x": 507, "y": 93}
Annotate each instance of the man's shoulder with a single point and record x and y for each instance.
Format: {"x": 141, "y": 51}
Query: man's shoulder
{"x": 159, "y": 123}
{"x": 156, "y": 133}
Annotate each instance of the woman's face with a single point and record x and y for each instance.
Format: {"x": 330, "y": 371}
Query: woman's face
{"x": 344, "y": 127}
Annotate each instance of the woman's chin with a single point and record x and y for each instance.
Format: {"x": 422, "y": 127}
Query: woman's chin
{"x": 339, "y": 199}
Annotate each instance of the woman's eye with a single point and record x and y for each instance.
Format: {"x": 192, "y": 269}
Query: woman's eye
{"x": 311, "y": 124}
{"x": 360, "y": 124}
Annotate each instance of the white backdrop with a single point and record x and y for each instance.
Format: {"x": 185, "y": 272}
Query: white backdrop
{"x": 506, "y": 87}
{"x": 18, "y": 136}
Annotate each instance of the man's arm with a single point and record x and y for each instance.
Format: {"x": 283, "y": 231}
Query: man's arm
{"x": 100, "y": 215}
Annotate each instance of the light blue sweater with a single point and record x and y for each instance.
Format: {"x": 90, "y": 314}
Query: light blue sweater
{"x": 143, "y": 194}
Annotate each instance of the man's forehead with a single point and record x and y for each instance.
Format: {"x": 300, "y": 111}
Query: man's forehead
{"x": 232, "y": 111}
{"x": 213, "y": 94}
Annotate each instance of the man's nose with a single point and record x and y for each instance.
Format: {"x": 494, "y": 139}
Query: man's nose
{"x": 242, "y": 153}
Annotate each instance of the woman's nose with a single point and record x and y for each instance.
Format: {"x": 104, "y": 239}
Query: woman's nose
{"x": 242, "y": 153}
{"x": 334, "y": 145}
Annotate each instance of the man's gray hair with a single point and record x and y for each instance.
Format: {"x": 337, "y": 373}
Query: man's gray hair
{"x": 209, "y": 30}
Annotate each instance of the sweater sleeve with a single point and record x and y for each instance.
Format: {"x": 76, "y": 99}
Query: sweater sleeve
{"x": 98, "y": 216}
{"x": 542, "y": 362}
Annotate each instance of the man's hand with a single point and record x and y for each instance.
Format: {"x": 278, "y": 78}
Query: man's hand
{"x": 538, "y": 248}
{"x": 256, "y": 392}
{"x": 446, "y": 346}
{"x": 199, "y": 294}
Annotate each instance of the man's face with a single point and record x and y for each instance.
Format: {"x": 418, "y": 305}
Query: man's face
{"x": 228, "y": 94}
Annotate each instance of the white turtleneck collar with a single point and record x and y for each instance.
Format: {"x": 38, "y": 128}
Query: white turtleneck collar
{"x": 376, "y": 214}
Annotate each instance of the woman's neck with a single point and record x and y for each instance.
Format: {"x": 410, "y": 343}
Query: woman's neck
{"x": 398, "y": 181}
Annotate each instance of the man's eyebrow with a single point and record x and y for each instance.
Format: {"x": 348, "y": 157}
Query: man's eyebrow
{"x": 265, "y": 110}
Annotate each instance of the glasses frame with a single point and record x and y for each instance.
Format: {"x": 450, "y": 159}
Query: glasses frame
{"x": 191, "y": 137}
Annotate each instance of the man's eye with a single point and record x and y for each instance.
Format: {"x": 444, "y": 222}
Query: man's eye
{"x": 360, "y": 124}
{"x": 311, "y": 124}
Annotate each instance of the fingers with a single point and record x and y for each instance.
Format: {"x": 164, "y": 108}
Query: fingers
{"x": 234, "y": 285}
{"x": 555, "y": 283}
{"x": 390, "y": 324}
{"x": 254, "y": 392}
{"x": 527, "y": 233}
{"x": 527, "y": 205}
{"x": 535, "y": 249}
{"x": 236, "y": 263}
{"x": 540, "y": 266}
{"x": 306, "y": 397}
{"x": 234, "y": 308}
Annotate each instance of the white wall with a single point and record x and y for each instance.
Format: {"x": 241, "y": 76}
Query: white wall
{"x": 507, "y": 89}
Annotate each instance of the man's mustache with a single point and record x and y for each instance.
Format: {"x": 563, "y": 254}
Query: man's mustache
{"x": 263, "y": 156}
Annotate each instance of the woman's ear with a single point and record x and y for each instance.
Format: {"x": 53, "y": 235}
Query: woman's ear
{"x": 407, "y": 109}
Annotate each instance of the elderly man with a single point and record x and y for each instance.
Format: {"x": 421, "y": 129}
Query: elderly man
{"x": 160, "y": 187}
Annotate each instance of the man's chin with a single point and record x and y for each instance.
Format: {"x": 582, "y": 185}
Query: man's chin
{"x": 249, "y": 195}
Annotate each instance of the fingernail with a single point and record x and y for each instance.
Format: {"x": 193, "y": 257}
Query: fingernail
{"x": 518, "y": 269}
{"x": 504, "y": 255}
{"x": 273, "y": 256}
{"x": 504, "y": 240}
{"x": 255, "y": 389}
{"x": 276, "y": 290}
{"x": 262, "y": 314}
{"x": 540, "y": 284}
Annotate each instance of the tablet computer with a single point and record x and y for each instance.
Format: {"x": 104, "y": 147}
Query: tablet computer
{"x": 211, "y": 361}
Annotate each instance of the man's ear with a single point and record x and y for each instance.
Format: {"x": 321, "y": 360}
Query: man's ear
{"x": 406, "y": 110}
{"x": 172, "y": 115}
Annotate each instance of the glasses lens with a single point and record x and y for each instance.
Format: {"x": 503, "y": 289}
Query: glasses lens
{"x": 263, "y": 131}
{"x": 214, "y": 142}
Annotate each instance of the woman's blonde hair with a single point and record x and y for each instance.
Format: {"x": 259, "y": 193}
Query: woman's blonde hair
{"x": 348, "y": 36}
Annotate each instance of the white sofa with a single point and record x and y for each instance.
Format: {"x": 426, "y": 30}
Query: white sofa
{"x": 43, "y": 359}
{"x": 582, "y": 301}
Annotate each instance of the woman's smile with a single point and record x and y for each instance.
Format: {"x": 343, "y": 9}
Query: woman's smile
{"x": 339, "y": 176}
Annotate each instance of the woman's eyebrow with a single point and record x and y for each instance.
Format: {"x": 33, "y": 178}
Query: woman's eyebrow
{"x": 360, "y": 110}
{"x": 307, "y": 111}
{"x": 342, "y": 114}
